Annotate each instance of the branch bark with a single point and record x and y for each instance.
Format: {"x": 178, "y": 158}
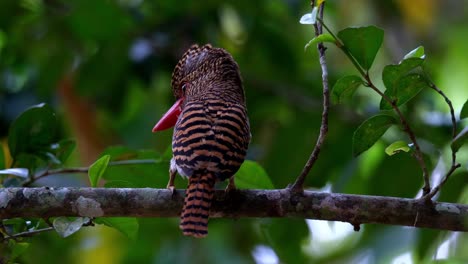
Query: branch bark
{"x": 146, "y": 202}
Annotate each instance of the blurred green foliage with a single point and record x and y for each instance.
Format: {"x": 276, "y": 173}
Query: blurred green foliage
{"x": 104, "y": 69}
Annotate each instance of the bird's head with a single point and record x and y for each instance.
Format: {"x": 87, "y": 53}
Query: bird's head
{"x": 201, "y": 73}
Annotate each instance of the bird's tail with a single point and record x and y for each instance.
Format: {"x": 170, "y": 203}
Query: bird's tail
{"x": 199, "y": 194}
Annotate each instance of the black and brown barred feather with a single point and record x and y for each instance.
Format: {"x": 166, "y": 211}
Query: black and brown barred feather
{"x": 212, "y": 133}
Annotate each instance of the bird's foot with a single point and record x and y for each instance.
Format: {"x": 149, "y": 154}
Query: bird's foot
{"x": 172, "y": 189}
{"x": 231, "y": 187}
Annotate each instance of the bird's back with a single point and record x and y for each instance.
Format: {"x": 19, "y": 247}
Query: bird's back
{"x": 209, "y": 144}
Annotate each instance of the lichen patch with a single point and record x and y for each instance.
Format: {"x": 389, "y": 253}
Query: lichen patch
{"x": 87, "y": 207}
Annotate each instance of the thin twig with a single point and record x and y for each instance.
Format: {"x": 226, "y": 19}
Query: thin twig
{"x": 28, "y": 233}
{"x": 46, "y": 173}
{"x": 442, "y": 182}
{"x": 454, "y": 165}
{"x": 298, "y": 186}
{"x": 84, "y": 169}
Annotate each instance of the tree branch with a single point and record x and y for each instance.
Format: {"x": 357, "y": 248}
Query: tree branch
{"x": 146, "y": 202}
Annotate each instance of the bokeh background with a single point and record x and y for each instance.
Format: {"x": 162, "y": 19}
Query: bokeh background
{"x": 105, "y": 68}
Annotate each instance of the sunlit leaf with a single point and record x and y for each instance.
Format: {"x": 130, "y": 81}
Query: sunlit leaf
{"x": 66, "y": 227}
{"x": 370, "y": 131}
{"x": 320, "y": 38}
{"x": 97, "y": 169}
{"x": 460, "y": 139}
{"x": 397, "y": 147}
{"x": 126, "y": 225}
{"x": 344, "y": 88}
{"x": 20, "y": 172}
{"x": 33, "y": 131}
{"x": 363, "y": 43}
{"x": 309, "y": 18}
{"x": 252, "y": 176}
{"x": 416, "y": 53}
{"x": 464, "y": 110}
{"x": 404, "y": 90}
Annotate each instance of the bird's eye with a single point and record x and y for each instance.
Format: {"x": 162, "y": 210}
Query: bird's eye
{"x": 183, "y": 87}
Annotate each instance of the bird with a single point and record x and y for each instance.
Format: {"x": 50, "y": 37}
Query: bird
{"x": 211, "y": 130}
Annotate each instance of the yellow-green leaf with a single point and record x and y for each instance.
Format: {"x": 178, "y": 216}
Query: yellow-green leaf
{"x": 252, "y": 176}
{"x": 126, "y": 225}
{"x": 397, "y": 147}
{"x": 97, "y": 169}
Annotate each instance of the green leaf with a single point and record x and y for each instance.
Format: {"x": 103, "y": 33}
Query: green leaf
{"x": 65, "y": 226}
{"x": 20, "y": 172}
{"x": 19, "y": 248}
{"x": 63, "y": 149}
{"x": 460, "y": 140}
{"x": 393, "y": 72}
{"x": 119, "y": 184}
{"x": 416, "y": 53}
{"x": 370, "y": 131}
{"x": 309, "y": 18}
{"x": 97, "y": 170}
{"x": 276, "y": 231}
{"x": 397, "y": 147}
{"x": 33, "y": 131}
{"x": 363, "y": 43}
{"x": 126, "y": 225}
{"x": 320, "y": 38}
{"x": 392, "y": 76}
{"x": 150, "y": 174}
{"x": 252, "y": 176}
{"x": 344, "y": 88}
{"x": 464, "y": 110}
{"x": 404, "y": 90}
{"x": 17, "y": 225}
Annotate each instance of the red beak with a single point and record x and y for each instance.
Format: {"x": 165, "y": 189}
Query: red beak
{"x": 169, "y": 119}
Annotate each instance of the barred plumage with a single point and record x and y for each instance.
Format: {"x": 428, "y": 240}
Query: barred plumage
{"x": 212, "y": 133}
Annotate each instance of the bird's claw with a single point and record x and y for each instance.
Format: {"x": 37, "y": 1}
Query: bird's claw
{"x": 231, "y": 186}
{"x": 172, "y": 189}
